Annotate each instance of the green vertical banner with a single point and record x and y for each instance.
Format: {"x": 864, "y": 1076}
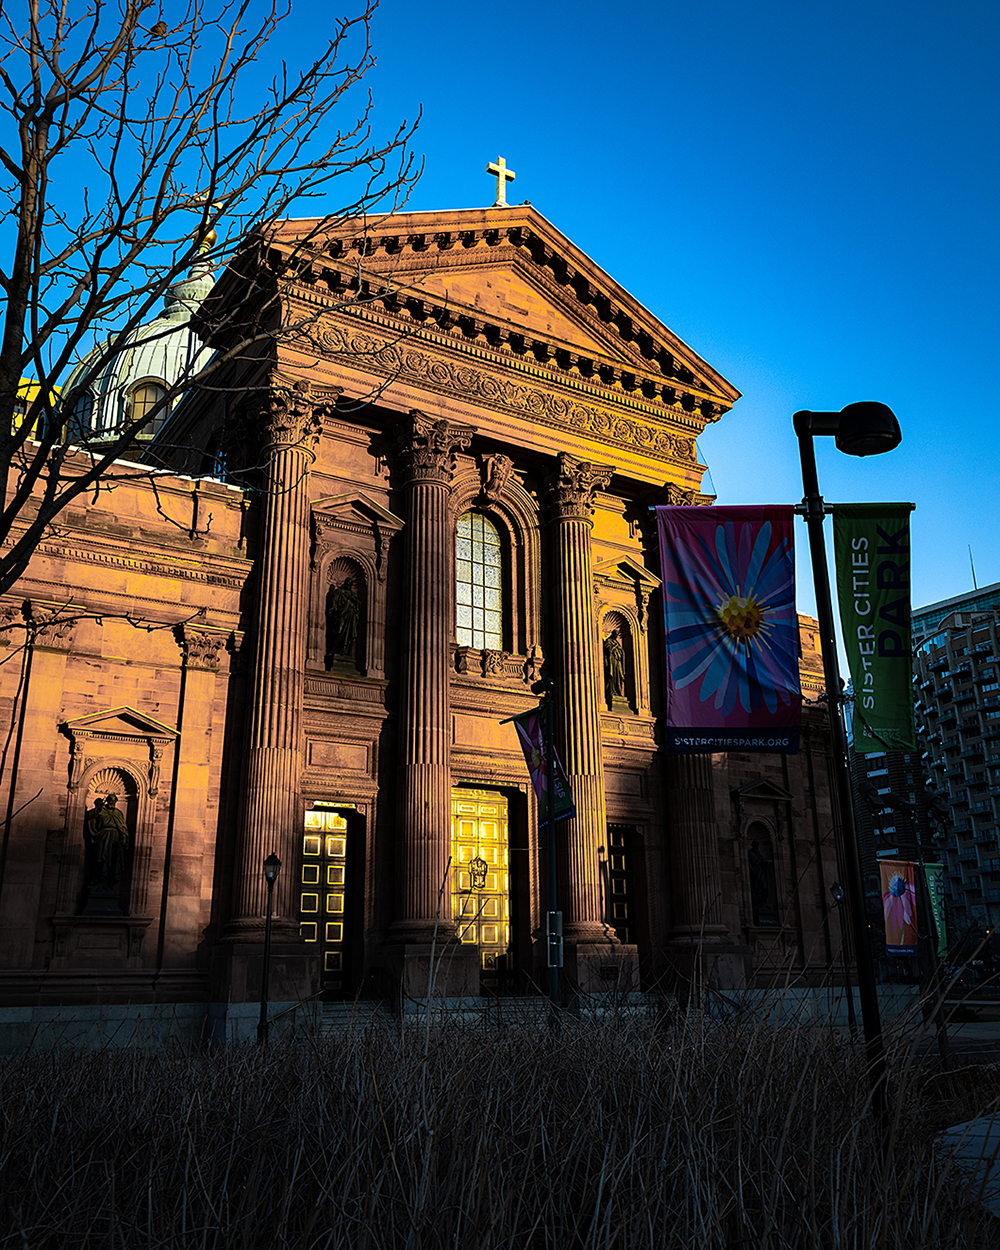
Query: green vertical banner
{"x": 872, "y": 547}
{"x": 934, "y": 876}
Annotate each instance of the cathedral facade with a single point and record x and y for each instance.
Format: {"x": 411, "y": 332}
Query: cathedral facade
{"x": 306, "y": 631}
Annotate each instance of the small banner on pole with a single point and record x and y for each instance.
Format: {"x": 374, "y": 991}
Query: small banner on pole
{"x": 530, "y": 728}
{"x": 899, "y": 903}
{"x": 872, "y": 546}
{"x": 934, "y": 873}
{"x": 732, "y": 670}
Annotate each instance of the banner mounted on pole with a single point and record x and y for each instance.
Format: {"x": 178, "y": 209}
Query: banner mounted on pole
{"x": 732, "y": 671}
{"x": 530, "y": 728}
{"x": 872, "y": 546}
{"x": 899, "y": 903}
{"x": 934, "y": 876}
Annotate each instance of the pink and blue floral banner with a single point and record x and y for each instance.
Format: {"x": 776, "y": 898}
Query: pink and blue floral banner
{"x": 899, "y": 902}
{"x": 732, "y": 671}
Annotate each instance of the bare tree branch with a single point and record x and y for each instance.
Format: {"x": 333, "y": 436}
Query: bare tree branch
{"x": 184, "y": 155}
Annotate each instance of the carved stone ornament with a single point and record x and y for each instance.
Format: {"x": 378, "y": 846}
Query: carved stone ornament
{"x": 426, "y": 448}
{"x": 678, "y": 497}
{"x": 287, "y": 414}
{"x": 405, "y": 361}
{"x": 201, "y": 649}
{"x": 10, "y": 614}
{"x": 51, "y": 631}
{"x": 571, "y": 488}
{"x": 495, "y": 472}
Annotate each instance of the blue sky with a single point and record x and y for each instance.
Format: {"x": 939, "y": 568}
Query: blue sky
{"x": 805, "y": 193}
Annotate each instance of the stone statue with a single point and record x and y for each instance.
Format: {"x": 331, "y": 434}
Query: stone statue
{"x": 614, "y": 667}
{"x": 343, "y": 616}
{"x": 108, "y": 835}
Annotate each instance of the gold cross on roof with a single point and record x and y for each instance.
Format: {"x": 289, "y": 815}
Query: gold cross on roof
{"x": 503, "y": 176}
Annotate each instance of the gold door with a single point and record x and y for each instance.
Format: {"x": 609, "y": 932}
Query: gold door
{"x": 322, "y": 893}
{"x": 480, "y": 878}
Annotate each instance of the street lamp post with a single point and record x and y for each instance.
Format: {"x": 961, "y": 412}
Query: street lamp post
{"x": 553, "y": 920}
{"x": 864, "y": 429}
{"x": 272, "y": 866}
{"x": 837, "y": 890}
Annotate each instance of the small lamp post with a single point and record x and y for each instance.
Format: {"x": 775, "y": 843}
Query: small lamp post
{"x": 272, "y": 866}
{"x": 864, "y": 429}
{"x": 837, "y": 890}
{"x": 553, "y": 919}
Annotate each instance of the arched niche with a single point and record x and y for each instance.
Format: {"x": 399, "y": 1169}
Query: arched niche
{"x": 343, "y": 620}
{"x": 617, "y": 632}
{"x": 124, "y": 752}
{"x": 351, "y": 532}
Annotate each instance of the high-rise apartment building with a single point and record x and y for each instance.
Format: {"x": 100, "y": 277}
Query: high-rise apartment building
{"x": 956, "y": 674}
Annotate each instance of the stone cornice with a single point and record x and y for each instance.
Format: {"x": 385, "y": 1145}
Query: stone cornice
{"x": 378, "y": 260}
{"x": 83, "y": 549}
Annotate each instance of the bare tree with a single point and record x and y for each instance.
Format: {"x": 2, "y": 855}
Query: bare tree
{"x": 140, "y": 141}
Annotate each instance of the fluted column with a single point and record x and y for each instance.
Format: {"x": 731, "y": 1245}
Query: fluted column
{"x": 426, "y": 451}
{"x": 271, "y": 816}
{"x": 694, "y": 850}
{"x": 579, "y": 687}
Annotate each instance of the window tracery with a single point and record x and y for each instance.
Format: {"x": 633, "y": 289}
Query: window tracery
{"x": 478, "y": 583}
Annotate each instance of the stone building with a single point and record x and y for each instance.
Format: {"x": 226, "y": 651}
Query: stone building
{"x": 956, "y": 674}
{"x": 439, "y": 471}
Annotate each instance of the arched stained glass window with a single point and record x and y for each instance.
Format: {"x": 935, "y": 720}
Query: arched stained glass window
{"x": 479, "y": 583}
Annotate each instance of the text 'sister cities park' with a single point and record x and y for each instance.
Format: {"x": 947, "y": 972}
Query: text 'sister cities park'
{"x": 499, "y": 627}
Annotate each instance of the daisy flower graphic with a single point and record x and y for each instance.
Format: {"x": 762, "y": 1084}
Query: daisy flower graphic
{"x": 729, "y": 625}
{"x": 900, "y": 903}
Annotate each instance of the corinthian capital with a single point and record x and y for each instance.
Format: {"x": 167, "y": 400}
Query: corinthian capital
{"x": 427, "y": 448}
{"x": 572, "y": 486}
{"x": 288, "y": 413}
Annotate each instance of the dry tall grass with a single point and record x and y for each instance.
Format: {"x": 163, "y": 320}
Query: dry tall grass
{"x": 705, "y": 1136}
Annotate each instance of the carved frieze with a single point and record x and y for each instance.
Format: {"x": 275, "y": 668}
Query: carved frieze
{"x": 404, "y": 360}
{"x": 572, "y": 486}
{"x": 426, "y": 448}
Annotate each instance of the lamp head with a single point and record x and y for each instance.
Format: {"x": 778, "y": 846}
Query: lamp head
{"x": 837, "y": 890}
{"x": 272, "y": 866}
{"x": 867, "y": 429}
{"x": 862, "y": 429}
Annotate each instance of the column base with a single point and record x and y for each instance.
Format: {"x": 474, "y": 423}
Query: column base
{"x": 706, "y": 962}
{"x": 602, "y": 967}
{"x": 415, "y": 973}
{"x": 237, "y": 965}
{"x": 421, "y": 932}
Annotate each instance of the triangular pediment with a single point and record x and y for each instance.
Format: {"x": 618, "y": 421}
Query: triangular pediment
{"x": 625, "y": 569}
{"x": 120, "y": 721}
{"x": 761, "y": 789}
{"x": 496, "y": 272}
{"x": 354, "y": 507}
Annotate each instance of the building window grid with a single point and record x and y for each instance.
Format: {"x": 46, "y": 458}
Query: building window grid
{"x": 479, "y": 583}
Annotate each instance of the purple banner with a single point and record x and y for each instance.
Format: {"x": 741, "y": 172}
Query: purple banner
{"x": 732, "y": 670}
{"x": 531, "y": 733}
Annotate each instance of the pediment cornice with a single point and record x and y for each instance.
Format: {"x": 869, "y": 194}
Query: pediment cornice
{"x": 409, "y": 269}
